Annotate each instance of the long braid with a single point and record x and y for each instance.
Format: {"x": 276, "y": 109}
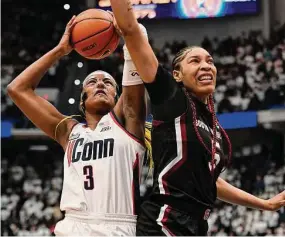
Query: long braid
{"x": 214, "y": 119}
{"x": 180, "y": 56}
{"x": 148, "y": 126}
{"x": 195, "y": 122}
{"x": 215, "y": 124}
{"x": 229, "y": 143}
{"x": 176, "y": 66}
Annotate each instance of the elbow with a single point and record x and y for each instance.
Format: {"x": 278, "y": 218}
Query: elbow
{"x": 11, "y": 90}
{"x": 17, "y": 87}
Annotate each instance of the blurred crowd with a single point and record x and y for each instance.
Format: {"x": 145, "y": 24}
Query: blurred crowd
{"x": 31, "y": 29}
{"x": 229, "y": 220}
{"x": 251, "y": 76}
{"x": 251, "y": 69}
{"x": 31, "y": 195}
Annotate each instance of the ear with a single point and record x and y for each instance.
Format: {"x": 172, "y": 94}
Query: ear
{"x": 177, "y": 75}
{"x": 81, "y": 107}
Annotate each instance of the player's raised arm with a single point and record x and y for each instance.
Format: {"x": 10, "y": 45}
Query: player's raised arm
{"x": 21, "y": 90}
{"x": 138, "y": 46}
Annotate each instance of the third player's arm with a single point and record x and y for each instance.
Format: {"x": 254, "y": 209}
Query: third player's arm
{"x": 138, "y": 46}
{"x": 228, "y": 193}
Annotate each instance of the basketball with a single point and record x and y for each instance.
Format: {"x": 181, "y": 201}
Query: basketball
{"x": 94, "y": 35}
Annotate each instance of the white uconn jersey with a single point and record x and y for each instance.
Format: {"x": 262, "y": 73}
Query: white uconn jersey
{"x": 102, "y": 169}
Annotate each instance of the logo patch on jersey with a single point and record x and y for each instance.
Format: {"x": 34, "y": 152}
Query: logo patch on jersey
{"x": 202, "y": 125}
{"x": 106, "y": 123}
{"x": 104, "y": 129}
{"x": 74, "y": 136}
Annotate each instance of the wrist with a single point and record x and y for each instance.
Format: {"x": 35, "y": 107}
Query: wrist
{"x": 130, "y": 74}
{"x": 59, "y": 51}
{"x": 267, "y": 205}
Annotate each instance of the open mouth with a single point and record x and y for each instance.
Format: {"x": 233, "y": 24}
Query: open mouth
{"x": 205, "y": 77}
{"x": 100, "y": 92}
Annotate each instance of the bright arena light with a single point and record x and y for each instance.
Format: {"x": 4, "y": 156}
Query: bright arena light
{"x": 77, "y": 82}
{"x": 66, "y": 6}
{"x": 71, "y": 101}
{"x": 80, "y": 64}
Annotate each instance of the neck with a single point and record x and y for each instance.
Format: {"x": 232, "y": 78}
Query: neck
{"x": 93, "y": 119}
{"x": 203, "y": 99}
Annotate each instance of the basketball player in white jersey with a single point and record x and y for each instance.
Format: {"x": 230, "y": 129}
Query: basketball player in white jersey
{"x": 103, "y": 158}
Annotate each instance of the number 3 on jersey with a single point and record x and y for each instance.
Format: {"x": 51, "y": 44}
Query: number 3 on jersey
{"x": 88, "y": 172}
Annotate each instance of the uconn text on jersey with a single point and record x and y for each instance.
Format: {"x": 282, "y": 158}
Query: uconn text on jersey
{"x": 92, "y": 150}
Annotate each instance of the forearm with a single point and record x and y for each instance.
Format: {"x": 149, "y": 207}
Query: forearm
{"x": 125, "y": 16}
{"x": 228, "y": 193}
{"x": 31, "y": 76}
{"x": 133, "y": 98}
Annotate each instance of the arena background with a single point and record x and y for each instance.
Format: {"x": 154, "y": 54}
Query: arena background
{"x": 249, "y": 51}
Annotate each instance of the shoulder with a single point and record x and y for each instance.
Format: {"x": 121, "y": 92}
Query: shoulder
{"x": 163, "y": 88}
{"x": 171, "y": 107}
{"x": 63, "y": 130}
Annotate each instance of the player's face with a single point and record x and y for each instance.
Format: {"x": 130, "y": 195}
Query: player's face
{"x": 101, "y": 91}
{"x": 199, "y": 72}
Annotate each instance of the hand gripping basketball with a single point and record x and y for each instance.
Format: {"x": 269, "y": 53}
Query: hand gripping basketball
{"x": 64, "y": 44}
{"x": 115, "y": 24}
{"x": 94, "y": 35}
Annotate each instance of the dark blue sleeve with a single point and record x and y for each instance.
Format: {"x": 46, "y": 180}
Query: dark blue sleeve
{"x": 167, "y": 98}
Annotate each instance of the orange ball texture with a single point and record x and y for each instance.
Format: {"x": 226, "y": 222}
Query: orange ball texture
{"x": 94, "y": 35}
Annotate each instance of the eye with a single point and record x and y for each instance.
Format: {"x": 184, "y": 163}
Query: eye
{"x": 211, "y": 61}
{"x": 91, "y": 82}
{"x": 194, "y": 60}
{"x": 109, "y": 83}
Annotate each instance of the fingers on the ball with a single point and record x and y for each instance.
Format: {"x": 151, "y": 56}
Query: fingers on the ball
{"x": 73, "y": 24}
{"x": 71, "y": 20}
{"x": 110, "y": 12}
{"x": 70, "y": 24}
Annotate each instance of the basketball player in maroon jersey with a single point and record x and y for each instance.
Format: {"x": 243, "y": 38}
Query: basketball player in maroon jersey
{"x": 189, "y": 146}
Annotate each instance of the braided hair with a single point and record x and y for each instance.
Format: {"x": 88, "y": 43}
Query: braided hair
{"x": 176, "y": 65}
{"x": 147, "y": 140}
{"x": 180, "y": 56}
